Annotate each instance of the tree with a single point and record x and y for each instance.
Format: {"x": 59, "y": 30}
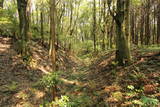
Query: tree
{"x": 158, "y": 23}
{"x": 147, "y": 23}
{"x": 42, "y": 29}
{"x": 1, "y": 3}
{"x": 94, "y": 24}
{"x": 122, "y": 52}
{"x": 142, "y": 25}
{"x": 23, "y": 26}
{"x": 127, "y": 35}
{"x": 53, "y": 40}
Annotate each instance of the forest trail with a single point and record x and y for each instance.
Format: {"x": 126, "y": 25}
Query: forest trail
{"x": 16, "y": 79}
{"x": 91, "y": 85}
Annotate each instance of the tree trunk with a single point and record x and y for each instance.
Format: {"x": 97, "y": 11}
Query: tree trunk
{"x": 123, "y": 52}
{"x": 23, "y": 25}
{"x": 37, "y": 15}
{"x": 136, "y": 29}
{"x": 133, "y": 26}
{"x": 142, "y": 27}
{"x": 147, "y": 24}
{"x": 158, "y": 23}
{"x": 111, "y": 34}
{"x": 53, "y": 40}
{"x": 94, "y": 25}
{"x": 1, "y": 3}
{"x": 127, "y": 8}
{"x": 104, "y": 26}
{"x": 42, "y": 31}
{"x": 127, "y": 29}
{"x": 154, "y": 25}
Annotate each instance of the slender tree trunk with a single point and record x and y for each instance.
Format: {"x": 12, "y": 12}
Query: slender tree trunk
{"x": 158, "y": 23}
{"x": 33, "y": 21}
{"x": 104, "y": 26}
{"x": 147, "y": 24}
{"x": 154, "y": 24}
{"x": 71, "y": 29}
{"x": 136, "y": 30}
{"x": 42, "y": 31}
{"x": 127, "y": 29}
{"x": 94, "y": 25}
{"x": 133, "y": 26}
{"x": 111, "y": 34}
{"x": 142, "y": 27}
{"x": 37, "y": 15}
{"x": 53, "y": 40}
{"x": 29, "y": 5}
{"x": 127, "y": 8}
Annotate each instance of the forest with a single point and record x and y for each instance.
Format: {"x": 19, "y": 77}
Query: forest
{"x": 79, "y": 53}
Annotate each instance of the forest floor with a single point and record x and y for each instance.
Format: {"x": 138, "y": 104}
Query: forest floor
{"x": 93, "y": 82}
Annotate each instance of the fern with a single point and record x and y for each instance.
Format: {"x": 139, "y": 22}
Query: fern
{"x": 149, "y": 102}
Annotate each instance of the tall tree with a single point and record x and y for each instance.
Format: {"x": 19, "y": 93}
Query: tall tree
{"x": 142, "y": 25}
{"x": 104, "y": 25}
{"x": 147, "y": 23}
{"x": 127, "y": 35}
{"x": 23, "y": 25}
{"x": 53, "y": 40}
{"x": 158, "y": 23}
{"x": 122, "y": 52}
{"x": 94, "y": 24}
{"x": 42, "y": 28}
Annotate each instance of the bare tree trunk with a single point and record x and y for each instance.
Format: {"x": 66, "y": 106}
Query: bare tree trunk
{"x": 136, "y": 30}
{"x": 71, "y": 29}
{"x": 147, "y": 24}
{"x": 154, "y": 24}
{"x": 42, "y": 32}
{"x": 53, "y": 40}
{"x": 94, "y": 25}
{"x": 127, "y": 8}
{"x": 142, "y": 26}
{"x": 133, "y": 26}
{"x": 111, "y": 34}
{"x": 37, "y": 15}
{"x": 104, "y": 26}
{"x": 158, "y": 23}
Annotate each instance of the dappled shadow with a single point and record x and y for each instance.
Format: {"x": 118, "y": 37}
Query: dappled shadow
{"x": 41, "y": 59}
{"x": 143, "y": 72}
{"x": 17, "y": 79}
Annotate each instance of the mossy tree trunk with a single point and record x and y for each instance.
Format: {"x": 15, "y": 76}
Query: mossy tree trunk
{"x": 123, "y": 52}
{"x": 23, "y": 26}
